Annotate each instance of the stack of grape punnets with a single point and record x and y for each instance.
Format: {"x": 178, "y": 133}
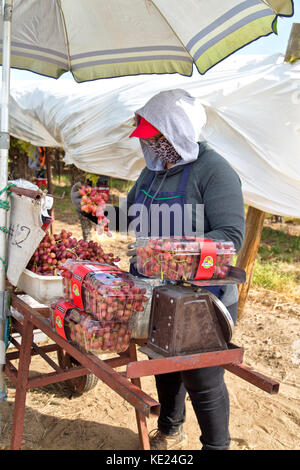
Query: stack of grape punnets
{"x": 175, "y": 259}
{"x": 55, "y": 250}
{"x": 109, "y": 300}
{"x": 93, "y": 201}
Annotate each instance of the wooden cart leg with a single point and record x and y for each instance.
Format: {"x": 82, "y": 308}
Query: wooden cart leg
{"x": 21, "y": 388}
{"x": 140, "y": 418}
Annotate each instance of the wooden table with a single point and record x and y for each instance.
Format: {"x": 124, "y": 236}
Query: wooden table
{"x": 127, "y": 384}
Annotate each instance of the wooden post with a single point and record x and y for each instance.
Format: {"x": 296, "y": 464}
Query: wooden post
{"x": 246, "y": 257}
{"x": 26, "y": 172}
{"x": 57, "y": 164}
{"x": 293, "y": 48}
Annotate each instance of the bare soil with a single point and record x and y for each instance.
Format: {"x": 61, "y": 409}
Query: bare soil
{"x": 101, "y": 419}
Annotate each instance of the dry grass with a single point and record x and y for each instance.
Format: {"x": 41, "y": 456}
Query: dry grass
{"x": 277, "y": 301}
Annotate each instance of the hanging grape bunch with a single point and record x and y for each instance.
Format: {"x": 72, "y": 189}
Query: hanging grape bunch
{"x": 93, "y": 201}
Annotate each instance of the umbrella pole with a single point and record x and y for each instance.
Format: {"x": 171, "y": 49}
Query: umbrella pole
{"x": 7, "y": 6}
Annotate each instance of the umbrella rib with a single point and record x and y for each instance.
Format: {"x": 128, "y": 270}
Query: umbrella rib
{"x": 175, "y": 34}
{"x": 65, "y": 32}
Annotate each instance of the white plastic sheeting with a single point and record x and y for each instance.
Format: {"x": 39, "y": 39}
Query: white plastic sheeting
{"x": 253, "y": 122}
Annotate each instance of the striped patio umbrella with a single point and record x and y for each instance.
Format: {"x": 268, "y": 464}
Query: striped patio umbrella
{"x": 99, "y": 38}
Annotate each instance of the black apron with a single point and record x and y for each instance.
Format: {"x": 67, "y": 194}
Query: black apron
{"x": 148, "y": 198}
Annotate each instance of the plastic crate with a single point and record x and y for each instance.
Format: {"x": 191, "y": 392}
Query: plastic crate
{"x": 41, "y": 288}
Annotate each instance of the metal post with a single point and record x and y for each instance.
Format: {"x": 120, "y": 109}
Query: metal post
{"x": 7, "y": 6}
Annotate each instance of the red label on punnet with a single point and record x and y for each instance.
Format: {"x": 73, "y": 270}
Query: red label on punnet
{"x": 207, "y": 259}
{"x": 78, "y": 277}
{"x": 60, "y": 311}
{"x": 103, "y": 189}
{"x": 76, "y": 282}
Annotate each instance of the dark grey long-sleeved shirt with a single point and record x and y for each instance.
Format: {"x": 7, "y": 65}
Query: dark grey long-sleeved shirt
{"x": 213, "y": 183}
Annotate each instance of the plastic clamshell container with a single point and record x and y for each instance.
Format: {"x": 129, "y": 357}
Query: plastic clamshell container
{"x": 140, "y": 323}
{"x": 42, "y": 288}
{"x": 107, "y": 293}
{"x": 87, "y": 333}
{"x": 99, "y": 337}
{"x": 174, "y": 259}
{"x": 224, "y": 259}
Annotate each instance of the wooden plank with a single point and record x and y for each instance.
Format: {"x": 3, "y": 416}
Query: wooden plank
{"x": 131, "y": 393}
{"x": 55, "y": 377}
{"x": 42, "y": 354}
{"x": 21, "y": 386}
{"x": 11, "y": 372}
{"x": 246, "y": 257}
{"x": 293, "y": 48}
{"x": 47, "y": 348}
{"x": 165, "y": 365}
{"x": 27, "y": 192}
{"x": 140, "y": 418}
{"x": 253, "y": 377}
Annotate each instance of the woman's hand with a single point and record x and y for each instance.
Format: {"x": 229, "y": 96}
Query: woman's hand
{"x": 75, "y": 196}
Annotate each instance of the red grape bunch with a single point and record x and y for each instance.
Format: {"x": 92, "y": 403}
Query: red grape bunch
{"x": 93, "y": 202}
{"x": 54, "y": 250}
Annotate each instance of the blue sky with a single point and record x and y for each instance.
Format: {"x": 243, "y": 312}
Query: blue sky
{"x": 273, "y": 44}
{"x": 268, "y": 45}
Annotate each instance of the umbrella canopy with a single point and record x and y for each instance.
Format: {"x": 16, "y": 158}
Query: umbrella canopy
{"x": 100, "y": 39}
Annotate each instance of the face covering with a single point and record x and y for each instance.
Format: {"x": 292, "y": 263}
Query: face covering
{"x": 164, "y": 150}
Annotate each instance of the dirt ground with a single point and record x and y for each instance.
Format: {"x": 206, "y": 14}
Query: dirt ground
{"x": 101, "y": 419}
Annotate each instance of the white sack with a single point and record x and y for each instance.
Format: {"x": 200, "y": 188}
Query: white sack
{"x": 25, "y": 234}
{"x": 253, "y": 122}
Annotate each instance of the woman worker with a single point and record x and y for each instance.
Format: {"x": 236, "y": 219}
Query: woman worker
{"x": 181, "y": 169}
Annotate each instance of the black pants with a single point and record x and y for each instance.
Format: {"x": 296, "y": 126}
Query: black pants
{"x": 209, "y": 397}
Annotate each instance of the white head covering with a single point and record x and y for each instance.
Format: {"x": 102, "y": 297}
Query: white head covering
{"x": 180, "y": 118}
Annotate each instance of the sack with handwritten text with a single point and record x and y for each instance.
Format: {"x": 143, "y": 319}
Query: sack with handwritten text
{"x": 27, "y": 221}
